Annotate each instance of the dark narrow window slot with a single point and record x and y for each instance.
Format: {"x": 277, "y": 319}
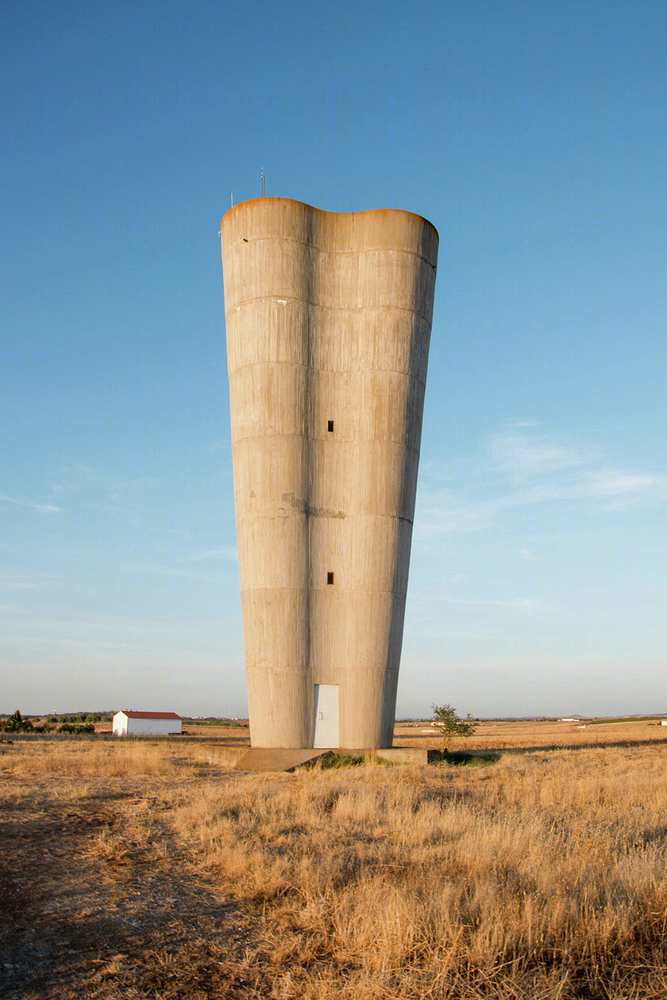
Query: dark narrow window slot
{"x": 330, "y": 425}
{"x": 329, "y": 578}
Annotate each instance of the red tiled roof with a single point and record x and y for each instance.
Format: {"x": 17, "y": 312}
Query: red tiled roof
{"x": 150, "y": 715}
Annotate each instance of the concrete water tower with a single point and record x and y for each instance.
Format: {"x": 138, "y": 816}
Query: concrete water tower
{"x": 328, "y": 322}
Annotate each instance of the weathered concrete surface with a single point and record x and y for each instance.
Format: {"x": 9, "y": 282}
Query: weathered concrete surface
{"x": 267, "y": 759}
{"x": 216, "y": 754}
{"x": 328, "y": 323}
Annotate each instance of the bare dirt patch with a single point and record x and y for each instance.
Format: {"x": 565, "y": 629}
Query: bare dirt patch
{"x": 100, "y": 900}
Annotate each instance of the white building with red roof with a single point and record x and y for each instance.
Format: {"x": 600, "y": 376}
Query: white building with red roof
{"x": 129, "y": 723}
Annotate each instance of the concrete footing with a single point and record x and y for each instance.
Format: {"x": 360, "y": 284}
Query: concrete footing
{"x": 221, "y": 755}
{"x": 267, "y": 759}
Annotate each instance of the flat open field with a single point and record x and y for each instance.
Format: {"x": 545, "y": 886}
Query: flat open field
{"x": 129, "y": 869}
{"x": 531, "y": 734}
{"x": 489, "y": 735}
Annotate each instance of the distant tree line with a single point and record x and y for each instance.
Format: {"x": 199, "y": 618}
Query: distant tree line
{"x": 82, "y": 722}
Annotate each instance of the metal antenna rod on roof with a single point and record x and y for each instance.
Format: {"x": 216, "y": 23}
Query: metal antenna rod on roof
{"x": 231, "y": 198}
{"x": 262, "y": 182}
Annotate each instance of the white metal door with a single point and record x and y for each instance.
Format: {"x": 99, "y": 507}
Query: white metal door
{"x": 325, "y": 732}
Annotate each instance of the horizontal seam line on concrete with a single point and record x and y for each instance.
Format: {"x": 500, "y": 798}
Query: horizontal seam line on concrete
{"x": 321, "y": 305}
{"x": 312, "y": 439}
{"x": 413, "y": 450}
{"x": 341, "y": 590}
{"x": 330, "y": 371}
{"x": 321, "y": 249}
{"x": 249, "y": 514}
{"x": 259, "y": 433}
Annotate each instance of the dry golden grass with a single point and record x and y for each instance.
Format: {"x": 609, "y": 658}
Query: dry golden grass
{"x": 544, "y": 875}
{"x": 416, "y": 881}
{"x": 62, "y": 757}
{"x": 71, "y": 769}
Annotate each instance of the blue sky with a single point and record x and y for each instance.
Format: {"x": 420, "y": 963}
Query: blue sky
{"x": 533, "y": 139}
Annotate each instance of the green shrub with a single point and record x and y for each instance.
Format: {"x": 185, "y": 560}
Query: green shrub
{"x": 336, "y": 760}
{"x": 449, "y": 723}
{"x": 16, "y": 724}
{"x": 460, "y": 758}
{"x": 76, "y": 727}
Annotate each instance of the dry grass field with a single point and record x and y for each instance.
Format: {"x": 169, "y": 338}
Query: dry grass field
{"x": 131, "y": 870}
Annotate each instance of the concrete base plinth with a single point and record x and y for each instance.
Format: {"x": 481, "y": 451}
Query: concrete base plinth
{"x": 258, "y": 759}
{"x": 269, "y": 759}
{"x": 221, "y": 755}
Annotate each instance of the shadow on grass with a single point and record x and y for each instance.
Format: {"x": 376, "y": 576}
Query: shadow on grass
{"x": 335, "y": 761}
{"x": 461, "y": 758}
{"x": 597, "y": 745}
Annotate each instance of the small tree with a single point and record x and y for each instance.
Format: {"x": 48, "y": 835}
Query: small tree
{"x": 449, "y": 723}
{"x": 16, "y": 724}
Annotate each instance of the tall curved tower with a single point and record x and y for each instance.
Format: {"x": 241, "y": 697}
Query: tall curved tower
{"x": 328, "y": 321}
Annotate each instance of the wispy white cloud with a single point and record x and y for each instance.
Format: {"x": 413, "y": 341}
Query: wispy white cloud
{"x": 35, "y": 640}
{"x": 48, "y": 634}
{"x": 15, "y": 581}
{"x": 610, "y": 482}
{"x": 543, "y": 471}
{"x": 438, "y": 513}
{"x": 225, "y": 552}
{"x": 527, "y": 555}
{"x": 530, "y": 604}
{"x": 41, "y": 505}
{"x": 78, "y": 478}
{"x": 519, "y": 455}
{"x": 625, "y": 489}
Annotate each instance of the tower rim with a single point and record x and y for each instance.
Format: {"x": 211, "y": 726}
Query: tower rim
{"x": 325, "y": 211}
